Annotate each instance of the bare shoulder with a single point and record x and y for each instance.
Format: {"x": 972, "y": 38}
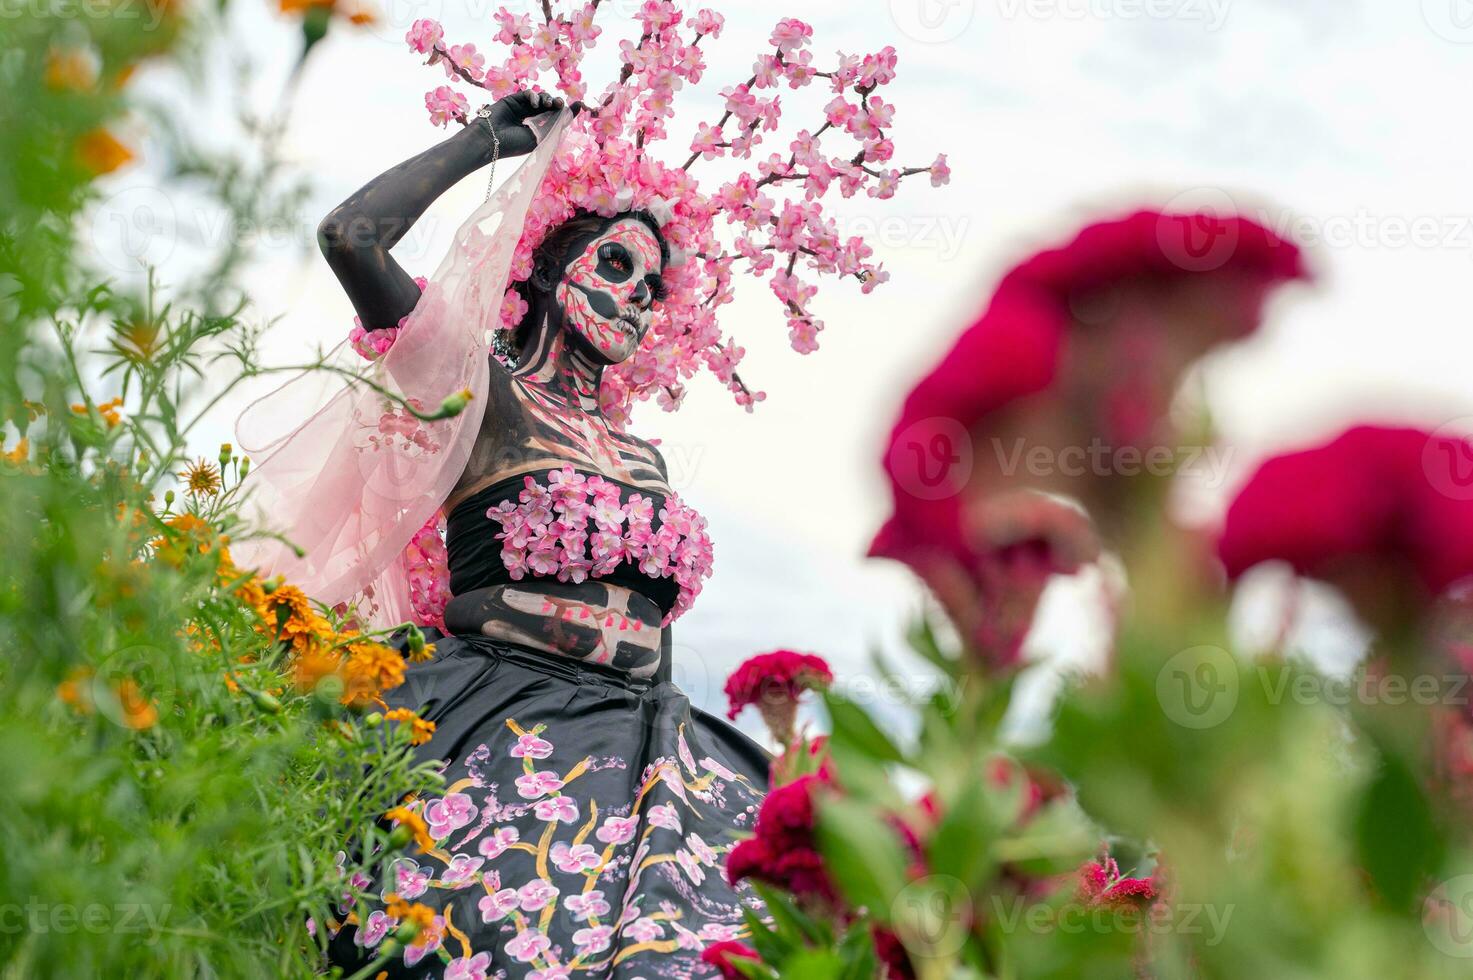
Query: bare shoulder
{"x": 645, "y": 452}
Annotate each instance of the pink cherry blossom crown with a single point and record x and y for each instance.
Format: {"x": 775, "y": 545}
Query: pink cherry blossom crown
{"x": 605, "y": 166}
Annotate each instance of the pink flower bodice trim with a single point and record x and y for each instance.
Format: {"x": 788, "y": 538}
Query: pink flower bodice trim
{"x": 579, "y": 527}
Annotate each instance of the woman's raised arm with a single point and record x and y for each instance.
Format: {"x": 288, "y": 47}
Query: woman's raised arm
{"x": 357, "y": 235}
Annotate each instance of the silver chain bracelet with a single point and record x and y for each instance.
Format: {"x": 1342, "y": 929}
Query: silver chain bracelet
{"x": 485, "y": 113}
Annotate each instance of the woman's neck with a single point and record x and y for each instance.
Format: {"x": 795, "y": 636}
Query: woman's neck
{"x": 550, "y": 359}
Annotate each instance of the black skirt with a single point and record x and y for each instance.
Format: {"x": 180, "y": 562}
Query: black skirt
{"x": 583, "y": 829}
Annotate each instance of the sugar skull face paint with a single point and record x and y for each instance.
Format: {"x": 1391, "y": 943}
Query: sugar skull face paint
{"x": 607, "y": 290}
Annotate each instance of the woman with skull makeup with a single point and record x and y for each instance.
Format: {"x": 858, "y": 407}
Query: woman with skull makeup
{"x": 565, "y": 742}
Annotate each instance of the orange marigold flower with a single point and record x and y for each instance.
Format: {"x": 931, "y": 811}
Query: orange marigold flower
{"x": 190, "y": 533}
{"x": 290, "y": 618}
{"x": 73, "y": 69}
{"x": 72, "y": 693}
{"x": 20, "y": 454}
{"x": 419, "y": 729}
{"x": 418, "y": 913}
{"x": 101, "y": 153}
{"x": 108, "y": 410}
{"x": 139, "y": 712}
{"x": 137, "y": 340}
{"x": 201, "y": 478}
{"x": 312, "y": 666}
{"x": 370, "y": 669}
{"x": 424, "y": 654}
{"x": 416, "y": 825}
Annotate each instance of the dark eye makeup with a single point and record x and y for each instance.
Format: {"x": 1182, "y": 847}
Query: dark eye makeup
{"x": 614, "y": 261}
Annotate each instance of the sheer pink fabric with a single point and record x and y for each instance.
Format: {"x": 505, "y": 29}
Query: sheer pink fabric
{"x": 352, "y": 484}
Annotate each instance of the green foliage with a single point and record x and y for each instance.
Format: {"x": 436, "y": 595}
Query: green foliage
{"x": 174, "y": 803}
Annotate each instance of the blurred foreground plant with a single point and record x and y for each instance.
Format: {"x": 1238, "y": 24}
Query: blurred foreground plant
{"x": 1190, "y": 812}
{"x": 185, "y": 748}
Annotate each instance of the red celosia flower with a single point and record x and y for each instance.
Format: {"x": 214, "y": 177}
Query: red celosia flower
{"x": 989, "y": 577}
{"x": 782, "y": 850}
{"x": 721, "y": 955}
{"x": 1017, "y": 345}
{"x": 774, "y": 682}
{"x": 892, "y": 955}
{"x": 1097, "y": 330}
{"x": 1373, "y": 503}
{"x": 1101, "y": 883}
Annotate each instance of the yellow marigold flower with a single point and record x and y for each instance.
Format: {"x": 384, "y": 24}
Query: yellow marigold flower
{"x": 423, "y": 654}
{"x": 139, "y": 712}
{"x": 101, "y": 153}
{"x": 201, "y": 477}
{"x": 419, "y": 729}
{"x": 415, "y": 824}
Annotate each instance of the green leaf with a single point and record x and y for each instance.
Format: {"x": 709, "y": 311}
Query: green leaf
{"x": 863, "y": 854}
{"x": 790, "y": 921}
{"x": 962, "y": 843}
{"x": 1396, "y": 834}
{"x": 854, "y": 727}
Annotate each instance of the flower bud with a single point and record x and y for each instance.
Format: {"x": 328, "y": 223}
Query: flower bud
{"x": 245, "y": 466}
{"x": 400, "y": 837}
{"x": 265, "y": 702}
{"x": 225, "y": 453}
{"x": 168, "y": 498}
{"x": 453, "y": 404}
{"x": 416, "y": 640}
{"x": 407, "y": 932}
{"x": 373, "y": 720}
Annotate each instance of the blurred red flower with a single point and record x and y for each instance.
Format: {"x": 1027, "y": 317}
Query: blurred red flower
{"x": 1079, "y": 346}
{"x": 1374, "y": 511}
{"x": 721, "y": 954}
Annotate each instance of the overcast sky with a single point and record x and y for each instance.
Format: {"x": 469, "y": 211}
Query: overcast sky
{"x": 1327, "y": 119}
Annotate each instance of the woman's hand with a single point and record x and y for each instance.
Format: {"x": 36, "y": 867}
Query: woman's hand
{"x": 508, "y": 119}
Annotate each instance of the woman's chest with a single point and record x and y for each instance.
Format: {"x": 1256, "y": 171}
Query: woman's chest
{"x": 528, "y": 427}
